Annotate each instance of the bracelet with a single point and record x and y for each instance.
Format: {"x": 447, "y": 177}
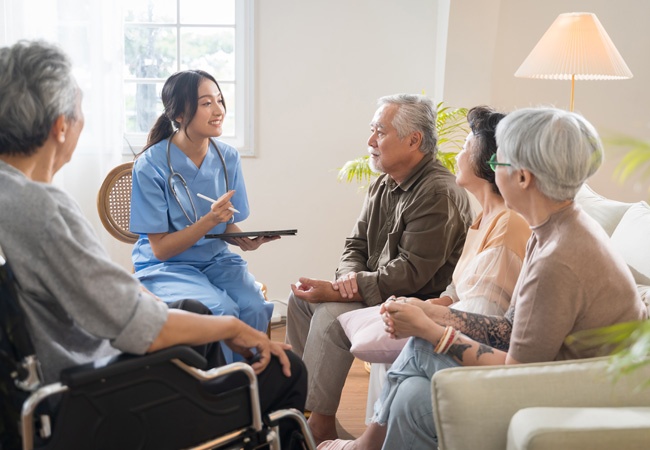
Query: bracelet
{"x": 443, "y": 340}
{"x": 453, "y": 337}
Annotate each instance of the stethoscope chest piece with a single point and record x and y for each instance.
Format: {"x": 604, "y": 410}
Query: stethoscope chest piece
{"x": 176, "y": 181}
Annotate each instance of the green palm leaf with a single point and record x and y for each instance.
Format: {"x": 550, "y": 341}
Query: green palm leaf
{"x": 629, "y": 344}
{"x": 451, "y": 125}
{"x": 635, "y": 160}
{"x": 448, "y": 159}
{"x": 357, "y": 170}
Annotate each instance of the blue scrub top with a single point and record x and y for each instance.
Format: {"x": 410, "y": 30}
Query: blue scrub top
{"x": 155, "y": 210}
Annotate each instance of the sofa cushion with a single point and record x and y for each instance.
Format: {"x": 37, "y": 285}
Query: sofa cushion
{"x": 632, "y": 239}
{"x": 487, "y": 397}
{"x": 541, "y": 428}
{"x": 606, "y": 212}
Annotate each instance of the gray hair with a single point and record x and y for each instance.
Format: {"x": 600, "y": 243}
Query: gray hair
{"x": 415, "y": 113}
{"x": 562, "y": 149}
{"x": 36, "y": 87}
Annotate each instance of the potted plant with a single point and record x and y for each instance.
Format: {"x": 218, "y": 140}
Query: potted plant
{"x": 451, "y": 126}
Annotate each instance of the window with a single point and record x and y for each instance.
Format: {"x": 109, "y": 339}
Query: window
{"x": 164, "y": 36}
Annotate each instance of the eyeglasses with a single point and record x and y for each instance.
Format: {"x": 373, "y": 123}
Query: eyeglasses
{"x": 493, "y": 163}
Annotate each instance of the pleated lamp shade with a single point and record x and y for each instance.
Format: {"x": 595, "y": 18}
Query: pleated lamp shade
{"x": 575, "y": 47}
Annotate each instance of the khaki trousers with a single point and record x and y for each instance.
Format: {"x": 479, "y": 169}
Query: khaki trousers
{"x": 317, "y": 336}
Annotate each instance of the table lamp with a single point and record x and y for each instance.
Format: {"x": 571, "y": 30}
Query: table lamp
{"x": 575, "y": 47}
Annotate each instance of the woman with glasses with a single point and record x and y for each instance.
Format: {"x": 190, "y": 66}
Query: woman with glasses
{"x": 186, "y": 185}
{"x": 571, "y": 280}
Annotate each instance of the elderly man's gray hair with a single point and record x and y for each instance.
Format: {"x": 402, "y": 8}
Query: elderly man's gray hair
{"x": 36, "y": 87}
{"x": 415, "y": 113}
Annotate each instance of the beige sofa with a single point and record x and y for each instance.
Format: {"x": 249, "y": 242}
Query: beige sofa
{"x": 572, "y": 404}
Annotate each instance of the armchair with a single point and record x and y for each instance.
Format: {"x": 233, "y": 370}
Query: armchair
{"x": 114, "y": 203}
{"x": 473, "y": 407}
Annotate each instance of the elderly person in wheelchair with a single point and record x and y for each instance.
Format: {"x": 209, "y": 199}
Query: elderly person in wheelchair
{"x": 78, "y": 305}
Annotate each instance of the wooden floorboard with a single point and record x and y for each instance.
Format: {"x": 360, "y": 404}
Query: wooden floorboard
{"x": 352, "y": 410}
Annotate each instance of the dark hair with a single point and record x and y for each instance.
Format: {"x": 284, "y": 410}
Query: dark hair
{"x": 36, "y": 88}
{"x": 180, "y": 96}
{"x": 483, "y": 122}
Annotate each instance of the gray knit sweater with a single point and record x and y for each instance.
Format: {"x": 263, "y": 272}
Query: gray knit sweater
{"x": 80, "y": 306}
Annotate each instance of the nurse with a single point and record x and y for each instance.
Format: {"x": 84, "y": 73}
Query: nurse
{"x": 172, "y": 257}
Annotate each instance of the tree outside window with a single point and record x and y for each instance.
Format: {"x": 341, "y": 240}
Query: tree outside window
{"x": 162, "y": 37}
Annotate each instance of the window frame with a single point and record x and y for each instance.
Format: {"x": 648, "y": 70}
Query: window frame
{"x": 243, "y": 140}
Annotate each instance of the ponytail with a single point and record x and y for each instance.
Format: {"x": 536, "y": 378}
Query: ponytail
{"x": 162, "y": 129}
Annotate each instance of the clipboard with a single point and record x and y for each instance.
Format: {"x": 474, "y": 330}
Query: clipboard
{"x": 253, "y": 234}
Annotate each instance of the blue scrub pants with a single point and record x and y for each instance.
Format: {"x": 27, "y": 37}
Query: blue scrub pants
{"x": 405, "y": 402}
{"x": 224, "y": 285}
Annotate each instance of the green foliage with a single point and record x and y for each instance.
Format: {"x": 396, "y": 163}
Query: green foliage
{"x": 628, "y": 342}
{"x": 636, "y": 158}
{"x": 452, "y": 128}
{"x": 357, "y": 170}
{"x": 448, "y": 159}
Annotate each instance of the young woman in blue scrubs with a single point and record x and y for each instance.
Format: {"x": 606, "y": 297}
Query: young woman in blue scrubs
{"x": 172, "y": 257}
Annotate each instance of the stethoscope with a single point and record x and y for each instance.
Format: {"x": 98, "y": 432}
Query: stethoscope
{"x": 175, "y": 175}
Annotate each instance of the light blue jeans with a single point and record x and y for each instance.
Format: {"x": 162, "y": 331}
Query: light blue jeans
{"x": 405, "y": 401}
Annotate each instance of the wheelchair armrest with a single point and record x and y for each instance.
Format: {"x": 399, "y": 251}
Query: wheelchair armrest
{"x": 123, "y": 363}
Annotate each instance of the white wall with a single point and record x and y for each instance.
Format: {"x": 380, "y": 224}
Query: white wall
{"x": 322, "y": 64}
{"x": 489, "y": 39}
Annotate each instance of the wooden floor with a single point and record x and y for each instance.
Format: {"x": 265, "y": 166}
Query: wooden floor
{"x": 352, "y": 411}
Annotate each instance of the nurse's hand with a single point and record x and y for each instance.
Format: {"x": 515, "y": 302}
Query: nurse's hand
{"x": 248, "y": 244}
{"x": 221, "y": 210}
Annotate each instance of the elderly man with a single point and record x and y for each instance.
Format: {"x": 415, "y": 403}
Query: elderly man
{"x": 406, "y": 241}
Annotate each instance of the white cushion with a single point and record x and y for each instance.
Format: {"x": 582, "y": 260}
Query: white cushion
{"x": 368, "y": 339}
{"x": 542, "y": 428}
{"x": 632, "y": 239}
{"x": 606, "y": 212}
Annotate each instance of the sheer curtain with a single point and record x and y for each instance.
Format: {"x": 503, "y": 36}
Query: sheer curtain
{"x": 90, "y": 32}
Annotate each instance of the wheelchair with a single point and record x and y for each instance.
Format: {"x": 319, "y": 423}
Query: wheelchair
{"x": 157, "y": 401}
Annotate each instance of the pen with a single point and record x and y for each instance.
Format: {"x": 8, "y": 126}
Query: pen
{"x": 205, "y": 197}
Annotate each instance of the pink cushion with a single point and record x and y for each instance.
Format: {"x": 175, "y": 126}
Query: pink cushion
{"x": 365, "y": 329}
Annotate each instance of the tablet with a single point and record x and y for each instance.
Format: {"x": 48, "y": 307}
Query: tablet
{"x": 253, "y": 234}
